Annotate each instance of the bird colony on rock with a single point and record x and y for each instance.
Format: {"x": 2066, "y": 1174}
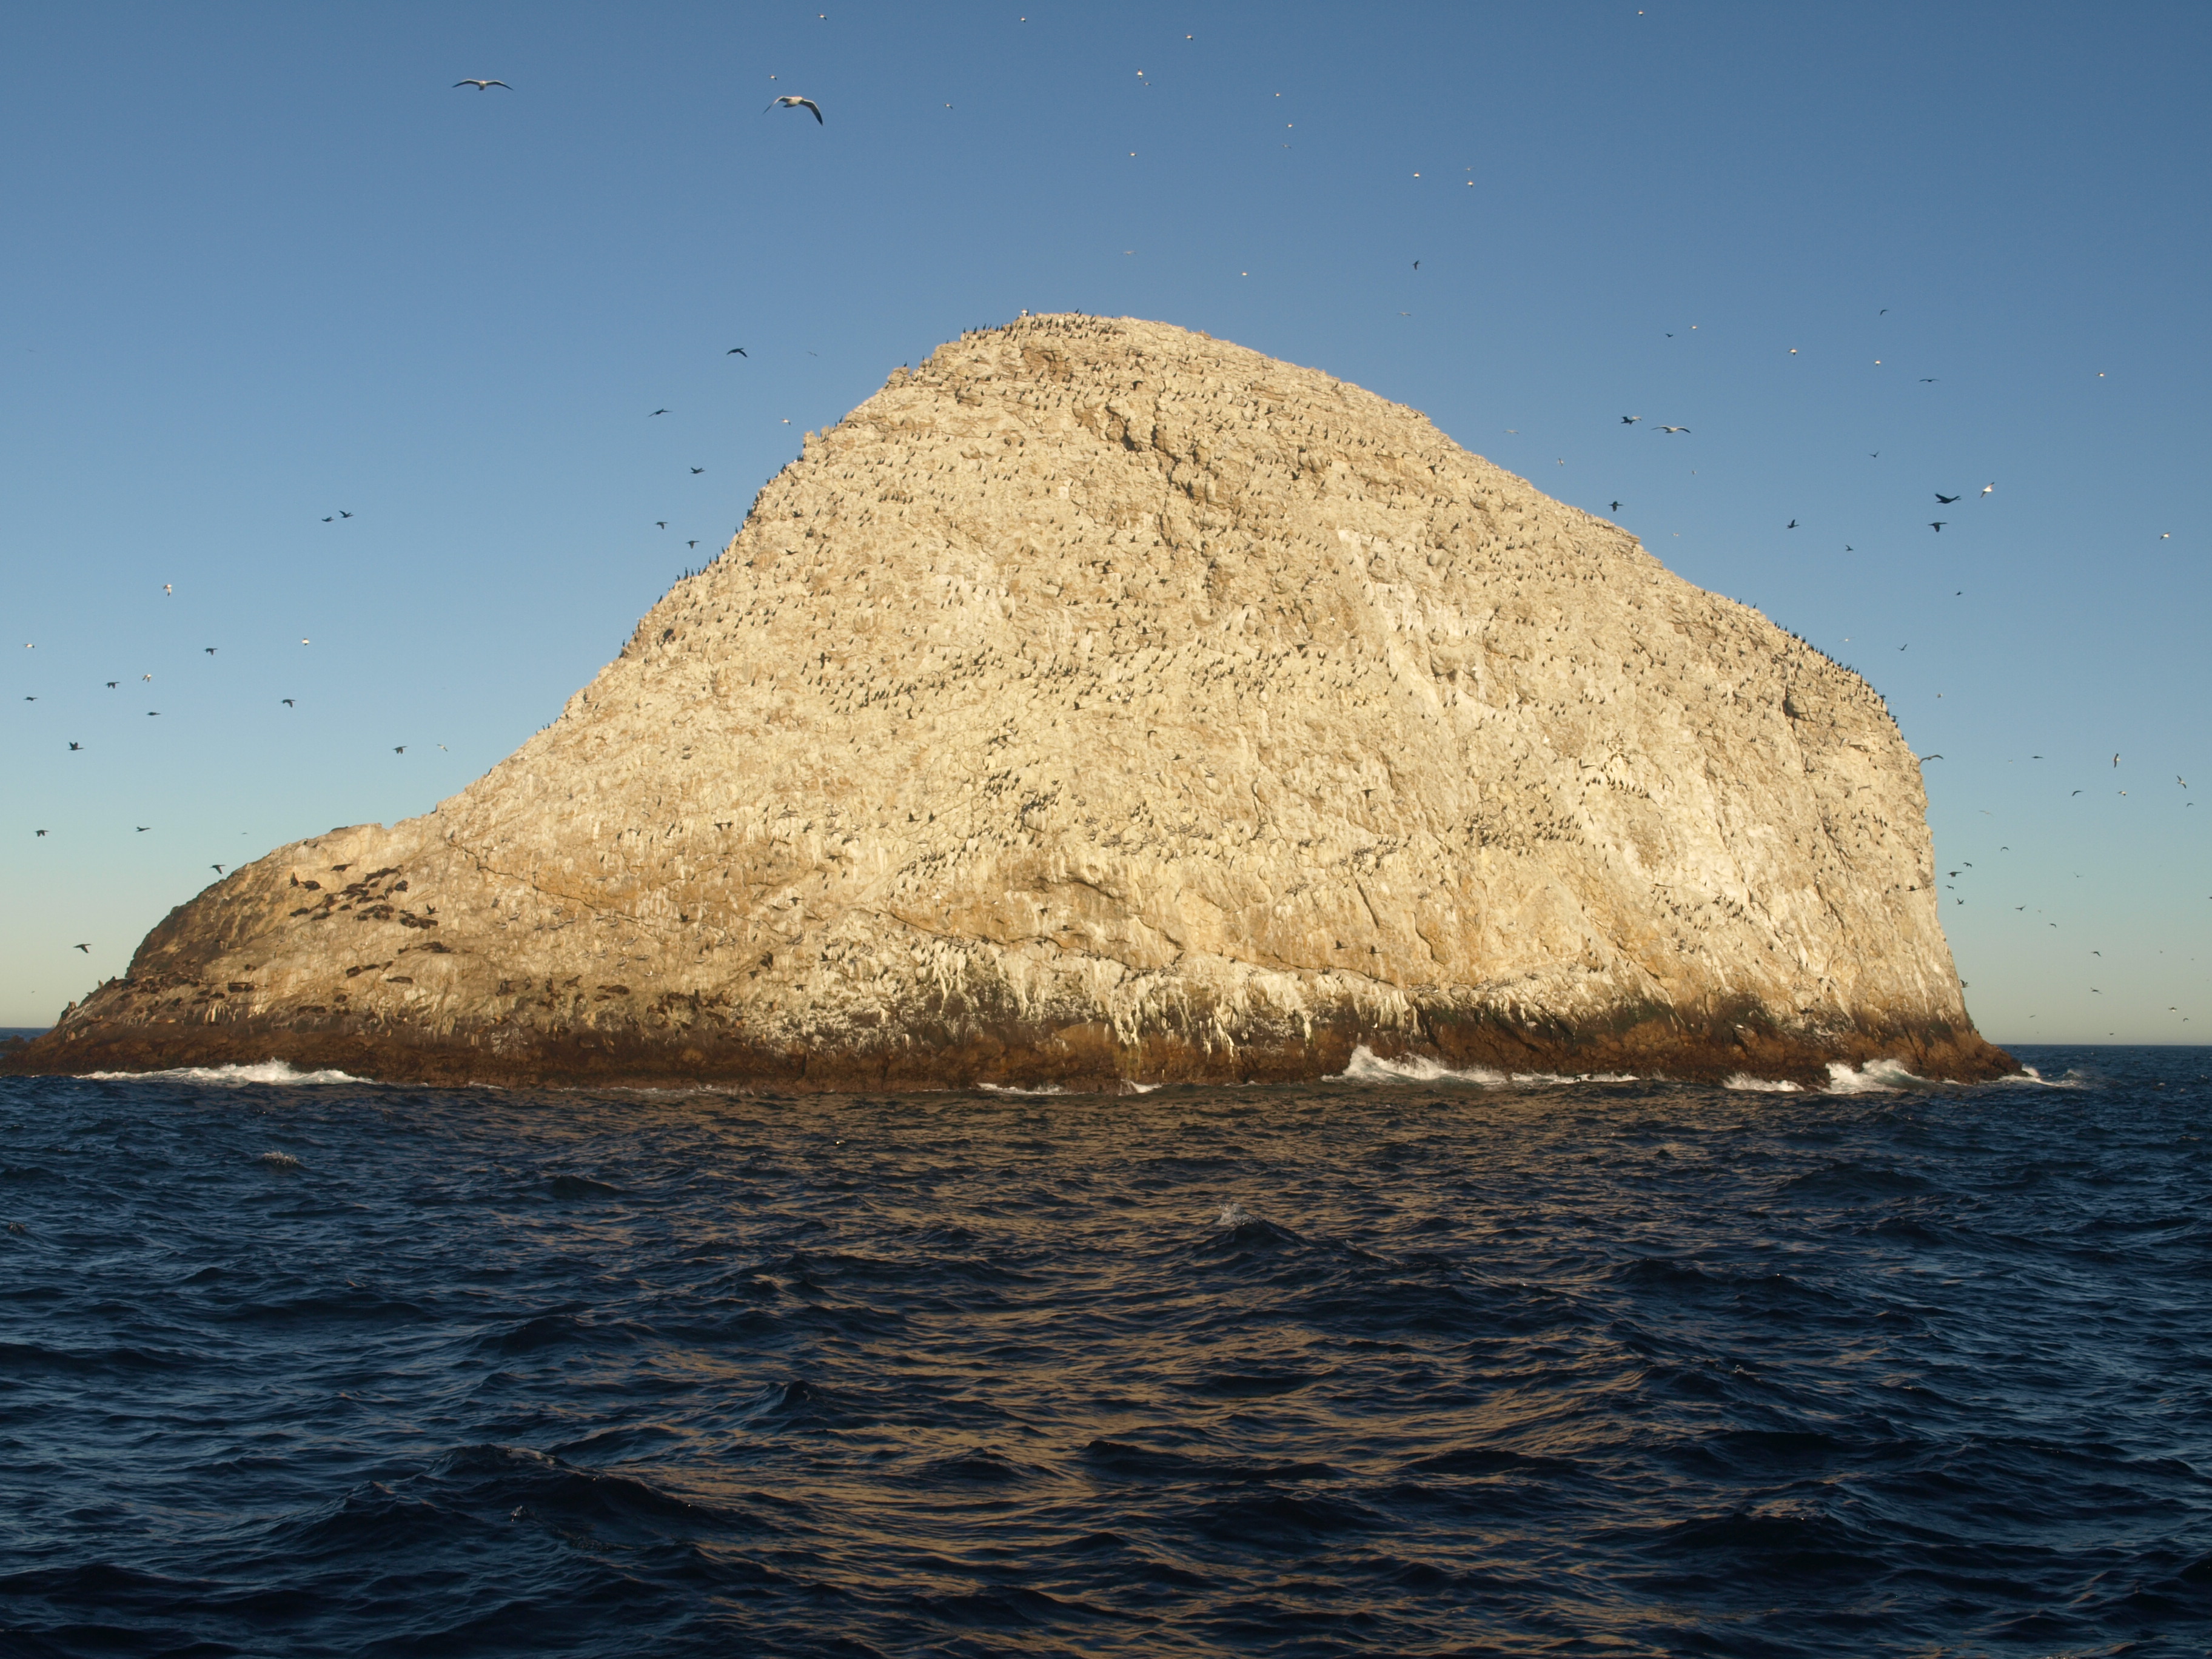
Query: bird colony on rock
{"x": 1101, "y": 703}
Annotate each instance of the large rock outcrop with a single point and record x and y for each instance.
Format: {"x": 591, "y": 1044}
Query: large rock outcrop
{"x": 1104, "y": 702}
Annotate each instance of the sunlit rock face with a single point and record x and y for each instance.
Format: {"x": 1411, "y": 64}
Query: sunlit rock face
{"x": 1102, "y": 703}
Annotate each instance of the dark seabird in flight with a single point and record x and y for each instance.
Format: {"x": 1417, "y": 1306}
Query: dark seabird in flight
{"x": 1944, "y": 500}
{"x": 788, "y": 101}
{"x": 398, "y": 748}
{"x": 87, "y": 948}
{"x": 217, "y": 868}
{"x": 739, "y": 351}
{"x": 482, "y": 86}
{"x": 74, "y": 747}
{"x": 1936, "y": 524}
{"x": 657, "y": 412}
{"x": 696, "y": 470}
{"x": 288, "y": 702}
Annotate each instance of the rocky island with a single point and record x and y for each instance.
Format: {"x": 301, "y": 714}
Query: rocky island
{"x": 1103, "y": 704}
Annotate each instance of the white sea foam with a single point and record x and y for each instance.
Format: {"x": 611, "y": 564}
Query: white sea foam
{"x": 1130, "y": 1086}
{"x": 1766, "y": 1086}
{"x": 1234, "y": 1214}
{"x": 2029, "y": 1078}
{"x": 268, "y": 1071}
{"x": 278, "y": 1160}
{"x": 1876, "y": 1076}
{"x": 1009, "y": 1089}
{"x": 1366, "y": 1066}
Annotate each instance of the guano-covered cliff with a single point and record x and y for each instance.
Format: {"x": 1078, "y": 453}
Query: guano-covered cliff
{"x": 1098, "y": 703}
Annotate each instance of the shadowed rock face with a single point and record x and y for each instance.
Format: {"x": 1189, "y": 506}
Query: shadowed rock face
{"x": 1104, "y": 702}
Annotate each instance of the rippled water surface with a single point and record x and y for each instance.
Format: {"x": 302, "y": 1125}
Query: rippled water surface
{"x": 1411, "y": 1367}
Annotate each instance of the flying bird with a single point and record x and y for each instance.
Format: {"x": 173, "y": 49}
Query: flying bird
{"x": 739, "y": 351}
{"x": 696, "y": 470}
{"x": 1616, "y": 507}
{"x": 1927, "y": 379}
{"x": 217, "y": 868}
{"x": 166, "y": 589}
{"x": 660, "y": 523}
{"x": 210, "y": 651}
{"x": 1630, "y": 420}
{"x": 286, "y": 702}
{"x": 1936, "y": 524}
{"x": 1673, "y": 428}
{"x": 690, "y": 543}
{"x": 657, "y": 412}
{"x": 343, "y": 514}
{"x": 2116, "y": 760}
{"x": 144, "y": 827}
{"x": 1987, "y": 488}
{"x": 87, "y": 948}
{"x": 1792, "y": 525}
{"x": 112, "y": 685}
{"x": 482, "y": 86}
{"x": 1925, "y": 759}
{"x": 789, "y": 102}
{"x": 398, "y": 748}
{"x": 1944, "y": 500}
{"x": 42, "y": 832}
{"x": 75, "y": 746}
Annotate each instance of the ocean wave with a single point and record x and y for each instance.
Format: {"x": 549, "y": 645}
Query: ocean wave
{"x": 1009, "y": 1089}
{"x": 278, "y": 1160}
{"x": 1365, "y": 1066}
{"x": 267, "y": 1071}
{"x": 1761, "y": 1085}
{"x": 2028, "y": 1077}
{"x": 1876, "y": 1076}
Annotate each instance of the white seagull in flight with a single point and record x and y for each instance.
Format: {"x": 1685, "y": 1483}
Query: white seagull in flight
{"x": 788, "y": 101}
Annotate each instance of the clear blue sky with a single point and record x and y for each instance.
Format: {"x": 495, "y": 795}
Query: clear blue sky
{"x": 263, "y": 263}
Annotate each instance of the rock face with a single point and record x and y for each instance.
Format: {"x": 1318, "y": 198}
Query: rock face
{"x": 1101, "y": 703}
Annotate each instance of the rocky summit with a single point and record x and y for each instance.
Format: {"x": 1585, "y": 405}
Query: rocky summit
{"x": 1103, "y": 704}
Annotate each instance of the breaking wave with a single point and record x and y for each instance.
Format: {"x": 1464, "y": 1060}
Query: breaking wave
{"x": 1768, "y": 1085}
{"x": 267, "y": 1071}
{"x": 1876, "y": 1076}
{"x": 1365, "y": 1066}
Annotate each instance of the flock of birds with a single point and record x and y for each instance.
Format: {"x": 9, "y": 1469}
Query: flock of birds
{"x": 793, "y": 101}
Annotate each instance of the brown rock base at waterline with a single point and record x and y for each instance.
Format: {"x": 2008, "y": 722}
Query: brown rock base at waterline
{"x": 1081, "y": 1061}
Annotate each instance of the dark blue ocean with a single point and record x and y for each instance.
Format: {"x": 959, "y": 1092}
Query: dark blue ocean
{"x": 1396, "y": 1366}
